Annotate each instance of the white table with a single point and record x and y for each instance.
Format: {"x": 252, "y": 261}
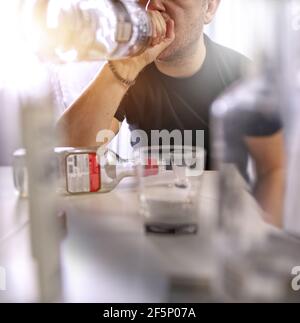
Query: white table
{"x": 106, "y": 256}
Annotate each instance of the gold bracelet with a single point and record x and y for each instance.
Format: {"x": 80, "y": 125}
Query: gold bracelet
{"x": 124, "y": 82}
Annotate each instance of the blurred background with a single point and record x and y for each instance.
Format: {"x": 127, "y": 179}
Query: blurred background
{"x": 232, "y": 28}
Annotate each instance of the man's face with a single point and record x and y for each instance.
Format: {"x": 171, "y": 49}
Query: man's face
{"x": 188, "y": 16}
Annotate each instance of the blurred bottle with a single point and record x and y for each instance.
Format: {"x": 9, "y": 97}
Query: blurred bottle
{"x": 291, "y": 116}
{"x": 86, "y": 30}
{"x": 37, "y": 115}
{"x": 251, "y": 108}
{"x": 82, "y": 170}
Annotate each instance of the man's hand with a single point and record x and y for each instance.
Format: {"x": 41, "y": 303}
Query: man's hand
{"x": 163, "y": 35}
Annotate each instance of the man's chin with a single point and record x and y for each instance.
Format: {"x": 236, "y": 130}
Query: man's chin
{"x": 171, "y": 53}
{"x": 167, "y": 55}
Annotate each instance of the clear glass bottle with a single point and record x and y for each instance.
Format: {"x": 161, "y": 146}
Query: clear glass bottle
{"x": 83, "y": 170}
{"x": 78, "y": 30}
{"x": 249, "y": 272}
{"x": 291, "y": 116}
{"x": 250, "y": 267}
{"x": 250, "y": 108}
{"x": 38, "y": 134}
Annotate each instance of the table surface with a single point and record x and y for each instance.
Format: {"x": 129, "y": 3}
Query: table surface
{"x": 106, "y": 255}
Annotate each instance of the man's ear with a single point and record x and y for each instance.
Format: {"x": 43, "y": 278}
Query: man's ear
{"x": 210, "y": 10}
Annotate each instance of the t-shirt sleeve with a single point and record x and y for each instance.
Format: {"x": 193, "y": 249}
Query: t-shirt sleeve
{"x": 260, "y": 125}
{"x": 242, "y": 123}
{"x": 120, "y": 113}
{"x": 126, "y": 102}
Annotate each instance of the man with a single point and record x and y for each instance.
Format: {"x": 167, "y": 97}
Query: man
{"x": 177, "y": 80}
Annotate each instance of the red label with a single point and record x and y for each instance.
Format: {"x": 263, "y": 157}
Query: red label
{"x": 95, "y": 173}
{"x": 151, "y": 168}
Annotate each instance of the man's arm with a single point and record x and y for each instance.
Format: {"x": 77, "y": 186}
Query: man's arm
{"x": 268, "y": 154}
{"x": 94, "y": 110}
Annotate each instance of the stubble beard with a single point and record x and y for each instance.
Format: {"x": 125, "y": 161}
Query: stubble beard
{"x": 178, "y": 52}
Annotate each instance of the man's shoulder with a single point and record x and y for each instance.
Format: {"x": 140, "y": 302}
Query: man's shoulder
{"x": 226, "y": 53}
{"x": 227, "y": 60}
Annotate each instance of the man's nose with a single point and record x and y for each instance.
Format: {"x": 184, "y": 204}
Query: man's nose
{"x": 156, "y": 5}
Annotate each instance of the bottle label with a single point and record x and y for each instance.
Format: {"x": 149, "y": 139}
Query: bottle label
{"x": 124, "y": 32}
{"x": 83, "y": 173}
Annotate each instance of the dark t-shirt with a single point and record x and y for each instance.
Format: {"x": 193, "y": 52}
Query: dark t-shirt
{"x": 158, "y": 102}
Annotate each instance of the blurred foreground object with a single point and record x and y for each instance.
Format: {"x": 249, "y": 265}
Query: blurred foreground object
{"x": 246, "y": 122}
{"x": 291, "y": 115}
{"x": 37, "y": 115}
{"x": 87, "y": 30}
{"x": 254, "y": 266}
